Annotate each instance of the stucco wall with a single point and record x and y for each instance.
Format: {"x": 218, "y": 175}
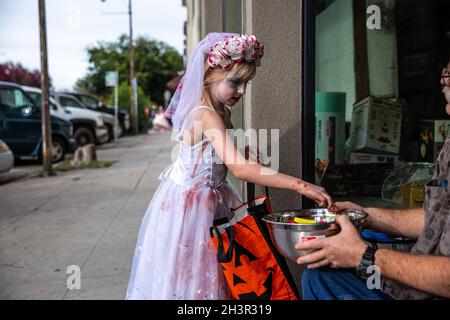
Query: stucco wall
{"x": 211, "y": 16}
{"x": 275, "y": 95}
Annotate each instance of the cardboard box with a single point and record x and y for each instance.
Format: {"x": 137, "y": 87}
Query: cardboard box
{"x": 376, "y": 126}
{"x": 432, "y": 136}
{"x": 359, "y": 157}
{"x": 412, "y": 195}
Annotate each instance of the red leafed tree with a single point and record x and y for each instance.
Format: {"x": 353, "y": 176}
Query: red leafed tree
{"x": 16, "y": 73}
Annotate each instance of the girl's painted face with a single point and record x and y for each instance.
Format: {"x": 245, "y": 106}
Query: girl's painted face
{"x": 229, "y": 90}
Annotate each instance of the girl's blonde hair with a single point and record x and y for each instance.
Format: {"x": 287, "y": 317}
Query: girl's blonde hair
{"x": 245, "y": 70}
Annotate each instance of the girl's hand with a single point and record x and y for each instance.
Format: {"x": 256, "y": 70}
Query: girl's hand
{"x": 316, "y": 193}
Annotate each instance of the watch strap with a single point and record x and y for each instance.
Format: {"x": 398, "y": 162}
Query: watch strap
{"x": 367, "y": 260}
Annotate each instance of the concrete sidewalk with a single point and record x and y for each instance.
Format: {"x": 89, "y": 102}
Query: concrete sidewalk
{"x": 86, "y": 218}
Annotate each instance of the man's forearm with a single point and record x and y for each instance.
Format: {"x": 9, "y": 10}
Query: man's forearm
{"x": 426, "y": 273}
{"x": 406, "y": 223}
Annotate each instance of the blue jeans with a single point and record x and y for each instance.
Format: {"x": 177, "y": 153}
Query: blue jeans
{"x": 337, "y": 284}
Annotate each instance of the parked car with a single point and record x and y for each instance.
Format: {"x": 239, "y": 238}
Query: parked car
{"x": 6, "y": 157}
{"x": 88, "y": 126}
{"x": 94, "y": 104}
{"x": 68, "y": 100}
{"x": 21, "y": 125}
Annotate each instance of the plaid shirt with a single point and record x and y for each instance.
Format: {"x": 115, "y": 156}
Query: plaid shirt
{"x": 435, "y": 237}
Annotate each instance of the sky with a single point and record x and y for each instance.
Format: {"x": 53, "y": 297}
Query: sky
{"x": 73, "y": 25}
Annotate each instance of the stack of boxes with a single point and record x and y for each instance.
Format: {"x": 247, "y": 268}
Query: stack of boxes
{"x": 374, "y": 147}
{"x": 375, "y": 131}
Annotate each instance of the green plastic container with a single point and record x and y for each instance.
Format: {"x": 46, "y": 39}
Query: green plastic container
{"x": 330, "y": 126}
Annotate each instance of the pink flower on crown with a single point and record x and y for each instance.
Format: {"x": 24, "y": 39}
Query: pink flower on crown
{"x": 234, "y": 49}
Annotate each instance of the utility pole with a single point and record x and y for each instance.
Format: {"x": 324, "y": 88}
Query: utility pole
{"x": 134, "y": 127}
{"x": 45, "y": 112}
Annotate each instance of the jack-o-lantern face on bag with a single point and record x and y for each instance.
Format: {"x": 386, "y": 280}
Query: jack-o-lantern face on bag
{"x": 251, "y": 269}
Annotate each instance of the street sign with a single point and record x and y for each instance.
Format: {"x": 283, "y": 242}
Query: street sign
{"x": 111, "y": 78}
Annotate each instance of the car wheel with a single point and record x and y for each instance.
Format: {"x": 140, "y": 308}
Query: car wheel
{"x": 83, "y": 136}
{"x": 119, "y": 131}
{"x": 122, "y": 129}
{"x": 110, "y": 133}
{"x": 58, "y": 150}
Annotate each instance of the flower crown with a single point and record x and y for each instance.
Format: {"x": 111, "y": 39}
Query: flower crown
{"x": 234, "y": 49}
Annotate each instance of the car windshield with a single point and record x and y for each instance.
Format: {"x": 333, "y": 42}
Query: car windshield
{"x": 91, "y": 102}
{"x": 35, "y": 96}
{"x": 69, "y": 102}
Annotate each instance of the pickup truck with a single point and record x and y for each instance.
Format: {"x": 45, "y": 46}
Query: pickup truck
{"x": 75, "y": 105}
{"x": 94, "y": 104}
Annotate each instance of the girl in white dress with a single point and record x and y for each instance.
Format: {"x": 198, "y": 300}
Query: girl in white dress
{"x": 174, "y": 256}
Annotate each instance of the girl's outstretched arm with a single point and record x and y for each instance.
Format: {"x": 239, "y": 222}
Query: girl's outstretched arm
{"x": 214, "y": 129}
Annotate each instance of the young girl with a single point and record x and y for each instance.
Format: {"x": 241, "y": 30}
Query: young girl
{"x": 174, "y": 257}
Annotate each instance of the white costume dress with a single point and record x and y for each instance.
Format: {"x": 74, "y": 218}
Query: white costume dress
{"x": 174, "y": 256}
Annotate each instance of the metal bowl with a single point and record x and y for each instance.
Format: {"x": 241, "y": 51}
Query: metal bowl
{"x": 285, "y": 235}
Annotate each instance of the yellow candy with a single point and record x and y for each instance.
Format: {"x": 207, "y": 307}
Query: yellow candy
{"x": 304, "y": 221}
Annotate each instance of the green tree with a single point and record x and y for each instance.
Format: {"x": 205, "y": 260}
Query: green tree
{"x": 155, "y": 64}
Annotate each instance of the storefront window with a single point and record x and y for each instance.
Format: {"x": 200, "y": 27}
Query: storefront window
{"x": 379, "y": 108}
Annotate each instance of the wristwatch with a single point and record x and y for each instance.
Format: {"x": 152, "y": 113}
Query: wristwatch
{"x": 368, "y": 259}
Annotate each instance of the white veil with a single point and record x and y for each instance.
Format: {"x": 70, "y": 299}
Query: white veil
{"x": 189, "y": 91}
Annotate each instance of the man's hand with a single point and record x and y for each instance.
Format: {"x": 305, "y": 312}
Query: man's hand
{"x": 350, "y": 205}
{"x": 345, "y": 250}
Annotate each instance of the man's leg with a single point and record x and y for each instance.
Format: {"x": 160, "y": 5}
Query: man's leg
{"x": 337, "y": 284}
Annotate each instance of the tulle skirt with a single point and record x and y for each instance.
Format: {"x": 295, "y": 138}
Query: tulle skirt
{"x": 174, "y": 257}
